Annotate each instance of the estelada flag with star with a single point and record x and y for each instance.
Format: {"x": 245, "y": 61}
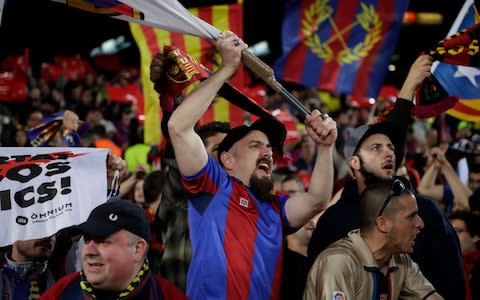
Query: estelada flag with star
{"x": 453, "y": 87}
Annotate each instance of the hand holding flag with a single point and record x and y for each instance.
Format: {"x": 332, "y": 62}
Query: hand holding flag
{"x": 453, "y": 86}
{"x": 172, "y": 16}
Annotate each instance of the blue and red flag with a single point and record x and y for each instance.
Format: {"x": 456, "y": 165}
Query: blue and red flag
{"x": 343, "y": 46}
{"x": 460, "y": 80}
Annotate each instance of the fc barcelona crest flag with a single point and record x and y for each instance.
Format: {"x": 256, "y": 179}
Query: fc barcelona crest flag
{"x": 343, "y": 46}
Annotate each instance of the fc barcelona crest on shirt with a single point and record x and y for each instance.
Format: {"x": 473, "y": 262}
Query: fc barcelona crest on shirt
{"x": 337, "y": 295}
{"x": 244, "y": 202}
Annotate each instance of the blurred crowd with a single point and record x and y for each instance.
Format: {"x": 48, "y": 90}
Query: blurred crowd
{"x": 442, "y": 160}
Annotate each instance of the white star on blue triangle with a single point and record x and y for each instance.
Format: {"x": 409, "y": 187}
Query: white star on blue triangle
{"x": 468, "y": 72}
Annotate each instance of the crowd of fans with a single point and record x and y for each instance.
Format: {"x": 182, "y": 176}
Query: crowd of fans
{"x": 442, "y": 162}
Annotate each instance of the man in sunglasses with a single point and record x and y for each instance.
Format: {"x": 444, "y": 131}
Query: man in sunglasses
{"x": 373, "y": 262}
{"x": 373, "y": 153}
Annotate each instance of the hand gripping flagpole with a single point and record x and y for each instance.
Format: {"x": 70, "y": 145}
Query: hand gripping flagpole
{"x": 172, "y": 16}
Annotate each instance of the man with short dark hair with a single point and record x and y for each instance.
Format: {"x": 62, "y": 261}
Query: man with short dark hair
{"x": 292, "y": 184}
{"x": 25, "y": 272}
{"x": 153, "y": 187}
{"x": 171, "y": 219}
{"x": 373, "y": 261}
{"x": 212, "y": 134}
{"x": 117, "y": 237}
{"x": 474, "y": 176}
{"x": 295, "y": 262}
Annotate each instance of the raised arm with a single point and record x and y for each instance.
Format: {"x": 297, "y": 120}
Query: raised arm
{"x": 427, "y": 186}
{"x": 303, "y": 206}
{"x": 401, "y": 113}
{"x": 460, "y": 192}
{"x": 188, "y": 147}
{"x": 419, "y": 70}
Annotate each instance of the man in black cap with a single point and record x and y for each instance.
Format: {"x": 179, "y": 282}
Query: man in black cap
{"x": 373, "y": 153}
{"x": 235, "y": 221}
{"x": 117, "y": 237}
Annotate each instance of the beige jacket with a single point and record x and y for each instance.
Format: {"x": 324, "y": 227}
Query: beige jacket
{"x": 347, "y": 270}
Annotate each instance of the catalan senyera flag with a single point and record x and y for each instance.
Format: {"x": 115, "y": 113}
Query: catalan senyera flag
{"x": 342, "y": 46}
{"x": 170, "y": 16}
{"x": 459, "y": 80}
{"x": 152, "y": 40}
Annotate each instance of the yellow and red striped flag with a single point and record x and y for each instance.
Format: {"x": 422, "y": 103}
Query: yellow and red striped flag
{"x": 151, "y": 40}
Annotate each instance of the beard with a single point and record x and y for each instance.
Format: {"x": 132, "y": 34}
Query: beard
{"x": 261, "y": 188}
{"x": 35, "y": 255}
{"x": 370, "y": 177}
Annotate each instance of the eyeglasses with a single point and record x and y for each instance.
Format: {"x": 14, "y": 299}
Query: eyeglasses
{"x": 395, "y": 190}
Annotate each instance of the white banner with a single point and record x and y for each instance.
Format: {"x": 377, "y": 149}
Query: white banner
{"x": 169, "y": 15}
{"x": 43, "y": 190}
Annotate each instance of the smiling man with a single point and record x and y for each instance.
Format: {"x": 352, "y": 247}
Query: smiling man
{"x": 373, "y": 262}
{"x": 236, "y": 223}
{"x": 117, "y": 237}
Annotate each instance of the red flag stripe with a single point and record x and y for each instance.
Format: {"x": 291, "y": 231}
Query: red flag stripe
{"x": 151, "y": 39}
{"x": 331, "y": 69}
{"x": 465, "y": 109}
{"x": 206, "y": 15}
{"x": 177, "y": 40}
{"x": 235, "y": 19}
{"x": 363, "y": 75}
{"x": 292, "y": 71}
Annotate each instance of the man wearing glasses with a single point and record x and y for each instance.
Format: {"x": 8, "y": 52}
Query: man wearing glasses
{"x": 373, "y": 262}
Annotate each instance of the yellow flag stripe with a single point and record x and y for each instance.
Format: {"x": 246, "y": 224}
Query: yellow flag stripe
{"x": 192, "y": 43}
{"x": 163, "y": 38}
{"x": 152, "y": 134}
{"x": 473, "y": 104}
{"x": 193, "y": 46}
{"x": 220, "y": 19}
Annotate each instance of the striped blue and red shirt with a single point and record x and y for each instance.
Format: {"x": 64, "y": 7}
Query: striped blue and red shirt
{"x": 236, "y": 239}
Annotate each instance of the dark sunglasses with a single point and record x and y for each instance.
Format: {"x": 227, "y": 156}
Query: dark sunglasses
{"x": 395, "y": 190}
